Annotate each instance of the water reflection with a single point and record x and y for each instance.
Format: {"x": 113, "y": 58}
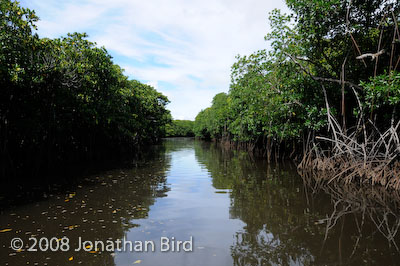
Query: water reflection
{"x": 371, "y": 213}
{"x": 291, "y": 221}
{"x": 239, "y": 210}
{"x": 100, "y": 207}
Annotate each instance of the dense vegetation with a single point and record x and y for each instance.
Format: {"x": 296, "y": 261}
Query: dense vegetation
{"x": 179, "y": 128}
{"x": 319, "y": 57}
{"x": 64, "y": 100}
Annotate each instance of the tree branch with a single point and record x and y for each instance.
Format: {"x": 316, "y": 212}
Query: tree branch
{"x": 321, "y": 78}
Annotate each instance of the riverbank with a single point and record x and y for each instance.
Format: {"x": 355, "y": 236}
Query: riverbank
{"x": 315, "y": 96}
{"x": 65, "y": 102}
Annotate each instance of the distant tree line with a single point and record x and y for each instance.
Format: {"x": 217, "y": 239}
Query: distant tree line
{"x": 329, "y": 53}
{"x": 179, "y": 128}
{"x": 63, "y": 100}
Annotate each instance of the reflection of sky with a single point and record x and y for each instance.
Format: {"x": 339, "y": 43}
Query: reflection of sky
{"x": 192, "y": 208}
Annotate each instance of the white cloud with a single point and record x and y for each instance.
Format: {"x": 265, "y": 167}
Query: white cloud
{"x": 189, "y": 45}
{"x": 154, "y": 84}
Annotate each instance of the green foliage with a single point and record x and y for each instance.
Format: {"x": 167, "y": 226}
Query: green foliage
{"x": 278, "y": 94}
{"x": 65, "y": 98}
{"x": 269, "y": 97}
{"x": 333, "y": 33}
{"x": 180, "y": 128}
{"x": 212, "y": 122}
{"x": 201, "y": 124}
{"x": 382, "y": 91}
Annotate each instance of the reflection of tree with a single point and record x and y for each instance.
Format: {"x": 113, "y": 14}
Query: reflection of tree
{"x": 100, "y": 207}
{"x": 177, "y": 144}
{"x": 227, "y": 166}
{"x": 375, "y": 204}
{"x": 286, "y": 222}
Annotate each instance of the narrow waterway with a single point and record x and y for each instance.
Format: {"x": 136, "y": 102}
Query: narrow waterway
{"x": 230, "y": 208}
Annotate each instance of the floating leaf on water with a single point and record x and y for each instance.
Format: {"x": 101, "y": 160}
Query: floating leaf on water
{"x": 137, "y": 262}
{"x": 5, "y": 230}
{"x": 71, "y": 227}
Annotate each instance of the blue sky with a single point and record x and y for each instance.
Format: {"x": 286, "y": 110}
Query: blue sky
{"x": 184, "y": 48}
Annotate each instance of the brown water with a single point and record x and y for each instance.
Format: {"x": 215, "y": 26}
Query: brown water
{"x": 238, "y": 210}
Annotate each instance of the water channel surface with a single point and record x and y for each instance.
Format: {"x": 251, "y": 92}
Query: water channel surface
{"x": 236, "y": 209}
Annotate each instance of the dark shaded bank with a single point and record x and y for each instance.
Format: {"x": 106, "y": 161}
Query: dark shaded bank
{"x": 65, "y": 104}
{"x": 67, "y": 177}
